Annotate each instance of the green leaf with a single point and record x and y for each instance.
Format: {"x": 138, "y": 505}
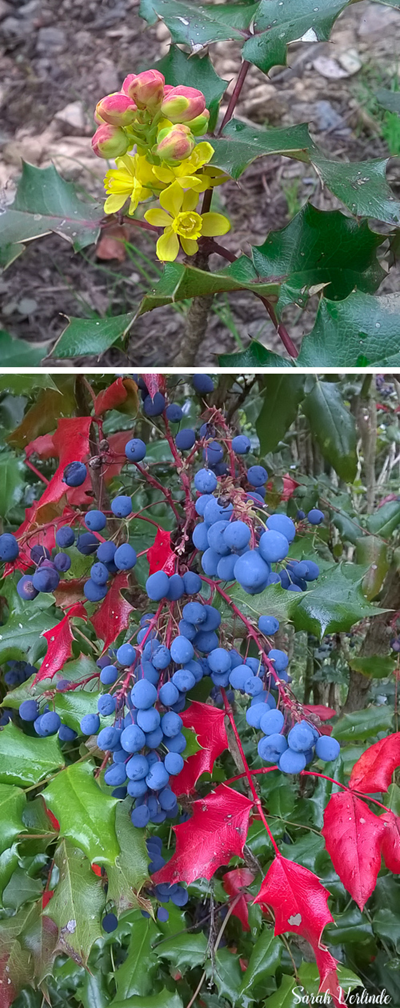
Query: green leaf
{"x": 363, "y": 724}
{"x": 25, "y": 759}
{"x": 360, "y": 326}
{"x": 27, "y": 621}
{"x": 73, "y": 706}
{"x": 239, "y": 144}
{"x": 350, "y": 926}
{"x": 264, "y": 961}
{"x": 274, "y": 600}
{"x": 361, "y": 186}
{"x": 333, "y": 427}
{"x": 321, "y": 247}
{"x": 12, "y": 482}
{"x": 45, "y": 202}
{"x": 130, "y": 872}
{"x": 309, "y": 976}
{"x": 12, "y": 802}
{"x": 86, "y": 815}
{"x": 276, "y": 24}
{"x": 335, "y": 604}
{"x": 184, "y": 951}
{"x": 385, "y": 519}
{"x": 17, "y": 352}
{"x": 136, "y": 975}
{"x": 8, "y": 864}
{"x": 21, "y": 889}
{"x": 254, "y": 356}
{"x": 282, "y": 395}
{"x": 227, "y": 975}
{"x": 373, "y": 551}
{"x": 77, "y": 904}
{"x": 199, "y": 24}
{"x": 15, "y": 959}
{"x": 376, "y": 666}
{"x": 91, "y": 336}
{"x": 197, "y": 72}
{"x": 287, "y": 995}
{"x": 165, "y": 999}
{"x": 179, "y": 282}
{"x": 26, "y": 384}
{"x": 389, "y": 100}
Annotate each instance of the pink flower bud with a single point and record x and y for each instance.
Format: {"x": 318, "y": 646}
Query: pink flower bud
{"x": 110, "y": 141}
{"x": 182, "y": 104}
{"x": 117, "y": 109}
{"x": 175, "y": 143}
{"x": 146, "y": 89}
{"x": 199, "y": 125}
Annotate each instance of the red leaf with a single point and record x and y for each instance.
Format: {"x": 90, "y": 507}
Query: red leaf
{"x": 115, "y": 395}
{"x": 299, "y": 902}
{"x": 324, "y": 713}
{"x": 234, "y": 882}
{"x": 353, "y": 837}
{"x": 69, "y": 593}
{"x": 160, "y": 554}
{"x": 373, "y": 771}
{"x": 47, "y": 896}
{"x": 209, "y": 724}
{"x": 71, "y": 442}
{"x": 114, "y": 613}
{"x": 390, "y": 845}
{"x": 154, "y": 383}
{"x": 53, "y": 820}
{"x": 216, "y": 831}
{"x": 59, "y": 644}
{"x": 42, "y": 446}
{"x": 96, "y": 868}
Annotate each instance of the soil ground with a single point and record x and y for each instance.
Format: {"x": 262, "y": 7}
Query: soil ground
{"x": 58, "y": 57}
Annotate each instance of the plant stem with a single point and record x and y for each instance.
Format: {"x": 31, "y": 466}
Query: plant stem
{"x": 235, "y": 95}
{"x": 280, "y": 328}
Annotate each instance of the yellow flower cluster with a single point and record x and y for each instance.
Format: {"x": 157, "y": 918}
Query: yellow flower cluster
{"x": 178, "y": 188}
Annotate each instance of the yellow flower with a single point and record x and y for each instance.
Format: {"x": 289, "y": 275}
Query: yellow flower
{"x": 182, "y": 222}
{"x": 133, "y": 177}
{"x": 184, "y": 173}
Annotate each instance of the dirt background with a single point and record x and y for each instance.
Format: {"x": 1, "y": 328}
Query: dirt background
{"x": 57, "y": 58}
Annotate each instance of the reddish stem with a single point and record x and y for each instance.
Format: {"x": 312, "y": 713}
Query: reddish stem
{"x": 257, "y": 800}
{"x": 36, "y": 471}
{"x": 280, "y": 328}
{"x": 241, "y": 77}
{"x": 253, "y": 772}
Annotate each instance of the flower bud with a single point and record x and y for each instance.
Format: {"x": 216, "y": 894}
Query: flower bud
{"x": 117, "y": 109}
{"x": 181, "y": 104}
{"x": 146, "y": 89}
{"x": 110, "y": 141}
{"x": 199, "y": 125}
{"x": 175, "y": 143}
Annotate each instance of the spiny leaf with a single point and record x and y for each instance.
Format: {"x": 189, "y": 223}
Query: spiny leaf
{"x": 209, "y": 724}
{"x": 333, "y": 427}
{"x": 130, "y": 872}
{"x": 113, "y": 615}
{"x": 17, "y": 352}
{"x": 335, "y": 605}
{"x": 27, "y": 760}
{"x": 196, "y": 25}
{"x": 91, "y": 336}
{"x": 235, "y": 883}
{"x": 282, "y": 395}
{"x": 12, "y": 801}
{"x": 86, "y": 815}
{"x": 276, "y": 24}
{"x": 239, "y": 144}
{"x": 361, "y": 325}
{"x": 256, "y": 355}
{"x": 216, "y": 831}
{"x": 78, "y": 901}
{"x": 353, "y": 838}
{"x": 179, "y": 282}
{"x": 59, "y": 644}
{"x": 361, "y": 186}
{"x": 373, "y": 771}
{"x": 135, "y": 977}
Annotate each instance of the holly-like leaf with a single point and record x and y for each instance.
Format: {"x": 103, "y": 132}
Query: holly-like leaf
{"x": 361, "y": 186}
{"x": 364, "y": 724}
{"x": 197, "y": 72}
{"x": 179, "y": 282}
{"x": 91, "y": 336}
{"x": 11, "y": 482}
{"x": 200, "y": 23}
{"x": 336, "y": 605}
{"x": 121, "y": 395}
{"x": 114, "y": 613}
{"x": 130, "y": 872}
{"x": 160, "y": 555}
{"x": 26, "y": 759}
{"x": 12, "y": 802}
{"x": 165, "y": 999}
{"x": 373, "y": 551}
{"x": 45, "y": 202}
{"x": 321, "y": 247}
{"x": 390, "y": 841}
{"x": 235, "y": 883}
{"x": 277, "y": 24}
{"x": 282, "y": 395}
{"x": 85, "y": 813}
{"x": 40, "y": 937}
{"x": 373, "y": 771}
{"x": 209, "y": 724}
{"x": 26, "y": 623}
{"x": 184, "y": 951}
{"x": 73, "y": 705}
{"x": 333, "y": 427}
{"x": 264, "y": 961}
{"x": 299, "y": 902}
{"x": 78, "y": 901}
{"x": 216, "y": 831}
{"x": 256, "y": 355}
{"x": 353, "y": 836}
{"x": 356, "y": 332}
{"x": 273, "y": 600}
{"x": 385, "y": 519}
{"x": 376, "y": 666}
{"x": 17, "y": 352}
{"x": 59, "y": 644}
{"x": 135, "y": 978}
{"x": 285, "y": 996}
{"x": 239, "y": 144}
{"x": 16, "y": 966}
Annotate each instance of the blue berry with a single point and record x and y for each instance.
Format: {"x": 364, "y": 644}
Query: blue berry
{"x": 99, "y": 573}
{"x": 121, "y": 506}
{"x": 271, "y": 747}
{"x": 257, "y": 475}
{"x": 301, "y": 737}
{"x": 202, "y": 383}
{"x": 200, "y": 536}
{"x": 315, "y": 516}
{"x": 87, "y": 543}
{"x": 74, "y": 474}
{"x": 137, "y": 767}
{"x": 176, "y": 587}
{"x": 65, "y": 536}
{"x": 194, "y": 612}
{"x": 241, "y": 444}
{"x": 109, "y": 922}
{"x": 291, "y": 762}
{"x": 279, "y": 659}
{"x": 185, "y": 439}
{"x": 161, "y": 657}
{"x": 281, "y": 523}
{"x": 154, "y": 405}
{"x": 115, "y": 775}
{"x": 94, "y": 592}
{"x": 271, "y": 722}
{"x": 181, "y": 650}
{"x": 62, "y": 562}
{"x": 174, "y": 763}
{"x": 95, "y": 520}
{"x": 135, "y": 450}
{"x": 132, "y": 739}
{"x": 45, "y": 579}
{"x": 137, "y": 788}
{"x": 205, "y": 481}
{"x": 143, "y": 694}
{"x": 106, "y": 704}
{"x": 171, "y": 724}
{"x": 106, "y": 551}
{"x": 213, "y": 453}
{"x": 126, "y": 654}
{"x": 251, "y": 571}
{"x": 174, "y": 413}
{"x": 268, "y": 625}
{"x": 109, "y": 675}
{"x": 180, "y": 896}
{"x": 215, "y": 536}
{"x": 108, "y": 738}
{"x": 312, "y": 570}
{"x": 255, "y": 712}
{"x": 39, "y": 553}
{"x": 125, "y": 557}
{"x": 210, "y": 561}
{"x": 237, "y": 535}
{"x": 175, "y": 744}
{"x": 157, "y": 777}
{"x": 184, "y": 680}
{"x": 26, "y": 589}
{"x": 167, "y": 798}
{"x": 148, "y": 720}
{"x": 140, "y": 816}
{"x": 327, "y": 748}
{"x": 191, "y": 583}
{"x": 215, "y": 510}
{"x": 206, "y": 640}
{"x": 226, "y": 566}
{"x": 66, "y": 734}
{"x": 90, "y": 724}
{"x": 273, "y": 546}
{"x": 169, "y": 694}
{"x": 219, "y": 660}
{"x": 157, "y": 586}
{"x": 162, "y": 915}
{"x": 187, "y": 629}
{"x": 28, "y": 710}
{"x": 49, "y": 723}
